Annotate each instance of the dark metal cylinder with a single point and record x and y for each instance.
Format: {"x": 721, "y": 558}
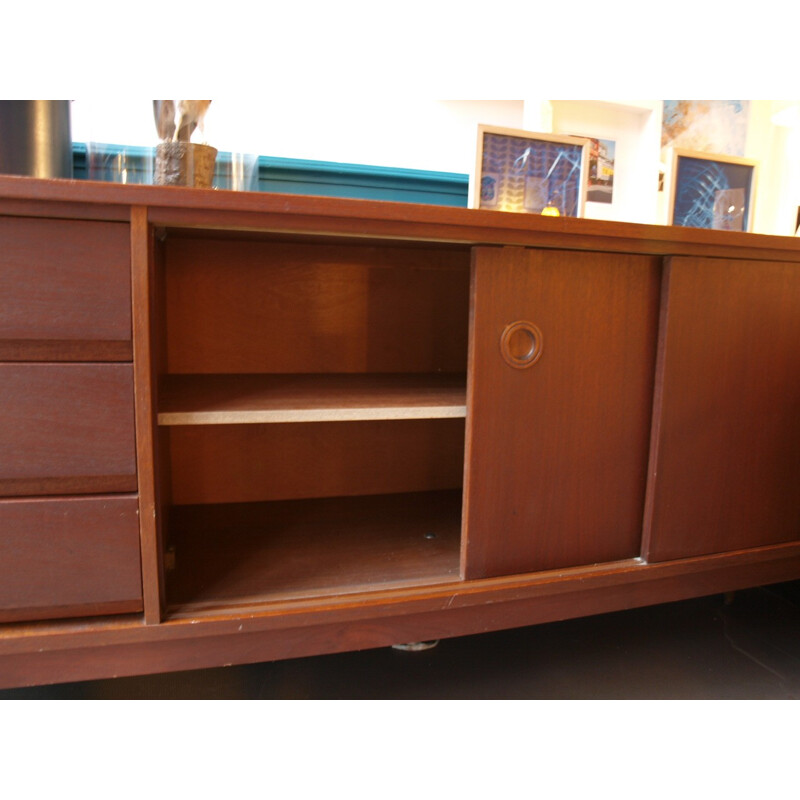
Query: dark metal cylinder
{"x": 36, "y": 138}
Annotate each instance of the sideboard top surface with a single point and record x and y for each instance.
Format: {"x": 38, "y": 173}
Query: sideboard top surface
{"x": 269, "y": 214}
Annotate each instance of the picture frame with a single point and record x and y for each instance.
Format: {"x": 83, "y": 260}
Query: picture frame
{"x": 534, "y": 173}
{"x": 710, "y": 190}
{"x": 600, "y": 181}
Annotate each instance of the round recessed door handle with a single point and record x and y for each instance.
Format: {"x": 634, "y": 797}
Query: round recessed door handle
{"x": 521, "y": 344}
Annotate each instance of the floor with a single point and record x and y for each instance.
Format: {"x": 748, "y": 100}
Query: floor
{"x": 744, "y": 647}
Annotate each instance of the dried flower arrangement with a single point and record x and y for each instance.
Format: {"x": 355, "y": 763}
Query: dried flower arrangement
{"x": 179, "y": 161}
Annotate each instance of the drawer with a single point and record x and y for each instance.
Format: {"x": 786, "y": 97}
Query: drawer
{"x": 65, "y": 290}
{"x": 66, "y": 429}
{"x": 67, "y": 557}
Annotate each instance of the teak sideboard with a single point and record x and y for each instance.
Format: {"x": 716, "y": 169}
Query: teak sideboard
{"x": 237, "y": 427}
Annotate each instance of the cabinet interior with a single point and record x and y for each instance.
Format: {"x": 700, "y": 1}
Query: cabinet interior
{"x": 311, "y": 407}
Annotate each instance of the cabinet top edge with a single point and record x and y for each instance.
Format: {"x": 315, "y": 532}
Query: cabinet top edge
{"x": 180, "y": 207}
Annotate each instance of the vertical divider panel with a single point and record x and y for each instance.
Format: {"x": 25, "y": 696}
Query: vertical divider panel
{"x": 143, "y": 280}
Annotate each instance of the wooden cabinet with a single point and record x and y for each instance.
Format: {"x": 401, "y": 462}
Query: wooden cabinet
{"x": 267, "y": 427}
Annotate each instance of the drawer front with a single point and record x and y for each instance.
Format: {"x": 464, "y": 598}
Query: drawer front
{"x": 66, "y": 429}
{"x": 69, "y": 557}
{"x": 65, "y": 290}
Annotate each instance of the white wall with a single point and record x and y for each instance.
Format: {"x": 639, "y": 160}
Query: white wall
{"x": 635, "y": 127}
{"x": 440, "y": 135}
{"x": 777, "y": 150}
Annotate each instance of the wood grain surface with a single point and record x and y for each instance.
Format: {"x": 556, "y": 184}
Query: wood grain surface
{"x": 66, "y": 428}
{"x": 148, "y": 343}
{"x": 261, "y": 552}
{"x": 64, "y": 284}
{"x": 241, "y": 399}
{"x": 251, "y": 463}
{"x": 557, "y": 452}
{"x": 248, "y": 213}
{"x": 725, "y": 465}
{"x": 69, "y": 557}
{"x": 261, "y": 307}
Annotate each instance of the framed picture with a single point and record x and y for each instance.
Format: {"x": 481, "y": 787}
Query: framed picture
{"x": 706, "y": 190}
{"x": 600, "y": 184}
{"x": 535, "y": 173}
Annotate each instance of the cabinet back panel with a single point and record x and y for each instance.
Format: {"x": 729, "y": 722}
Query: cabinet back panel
{"x": 249, "y": 307}
{"x": 252, "y": 463}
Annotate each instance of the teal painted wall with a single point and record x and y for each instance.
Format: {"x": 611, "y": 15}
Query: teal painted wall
{"x": 296, "y": 176}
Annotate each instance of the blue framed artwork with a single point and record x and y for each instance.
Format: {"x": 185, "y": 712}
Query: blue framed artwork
{"x": 534, "y": 173}
{"x": 711, "y": 191}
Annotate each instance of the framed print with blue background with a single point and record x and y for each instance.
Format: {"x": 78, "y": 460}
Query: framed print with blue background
{"x": 707, "y": 190}
{"x": 534, "y": 173}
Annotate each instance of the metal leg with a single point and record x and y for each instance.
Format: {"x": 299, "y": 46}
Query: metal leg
{"x": 416, "y": 647}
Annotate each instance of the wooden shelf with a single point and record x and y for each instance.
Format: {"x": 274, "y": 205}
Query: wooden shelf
{"x": 242, "y": 399}
{"x": 234, "y": 554}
